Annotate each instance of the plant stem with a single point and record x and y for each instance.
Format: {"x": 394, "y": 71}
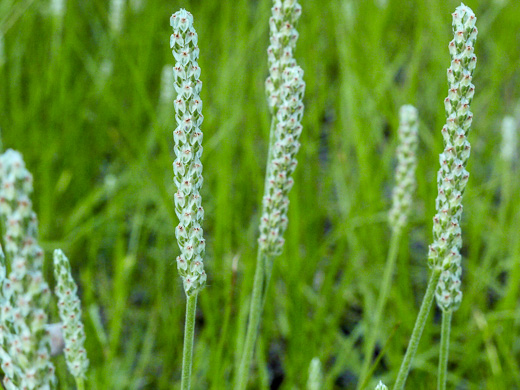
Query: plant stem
{"x": 189, "y": 331}
{"x": 445, "y": 349}
{"x": 80, "y": 383}
{"x": 381, "y": 302}
{"x": 255, "y": 313}
{"x": 417, "y": 330}
{"x": 261, "y": 281}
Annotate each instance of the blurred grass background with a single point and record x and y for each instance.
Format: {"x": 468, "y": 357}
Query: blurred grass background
{"x": 82, "y": 104}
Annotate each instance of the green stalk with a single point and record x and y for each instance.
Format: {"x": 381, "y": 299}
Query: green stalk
{"x": 261, "y": 281}
{"x": 445, "y": 349}
{"x": 189, "y": 331}
{"x": 255, "y": 314}
{"x": 417, "y": 330}
{"x": 381, "y": 303}
{"x": 80, "y": 383}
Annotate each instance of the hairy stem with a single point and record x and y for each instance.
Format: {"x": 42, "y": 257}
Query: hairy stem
{"x": 373, "y": 330}
{"x": 445, "y": 349}
{"x": 417, "y": 330}
{"x": 189, "y": 331}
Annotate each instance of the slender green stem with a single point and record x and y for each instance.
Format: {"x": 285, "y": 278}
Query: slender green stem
{"x": 80, "y": 383}
{"x": 373, "y": 330}
{"x": 189, "y": 331}
{"x": 445, "y": 349}
{"x": 417, "y": 330}
{"x": 255, "y": 313}
{"x": 261, "y": 281}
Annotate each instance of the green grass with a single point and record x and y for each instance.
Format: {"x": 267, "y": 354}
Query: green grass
{"x": 361, "y": 62}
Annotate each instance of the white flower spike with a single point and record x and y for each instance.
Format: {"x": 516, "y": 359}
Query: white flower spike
{"x": 24, "y": 340}
{"x": 405, "y": 171}
{"x": 273, "y": 222}
{"x": 69, "y": 307}
{"x": 283, "y": 37}
{"x": 452, "y": 177}
{"x": 187, "y": 168}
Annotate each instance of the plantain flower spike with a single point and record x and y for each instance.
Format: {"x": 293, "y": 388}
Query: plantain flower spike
{"x": 69, "y": 307}
{"x": 452, "y": 177}
{"x": 282, "y": 164}
{"x": 405, "y": 171}
{"x": 285, "y": 89}
{"x": 283, "y": 36}
{"x": 24, "y": 294}
{"x": 187, "y": 168}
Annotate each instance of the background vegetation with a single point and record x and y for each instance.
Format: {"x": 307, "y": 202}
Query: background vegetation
{"x": 99, "y": 144}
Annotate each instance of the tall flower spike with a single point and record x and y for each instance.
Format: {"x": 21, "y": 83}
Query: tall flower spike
{"x": 285, "y": 89}
{"x": 69, "y": 307}
{"x": 187, "y": 168}
{"x": 24, "y": 295}
{"x": 405, "y": 170}
{"x": 283, "y": 37}
{"x": 452, "y": 177}
{"x": 509, "y": 146}
{"x": 283, "y": 162}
